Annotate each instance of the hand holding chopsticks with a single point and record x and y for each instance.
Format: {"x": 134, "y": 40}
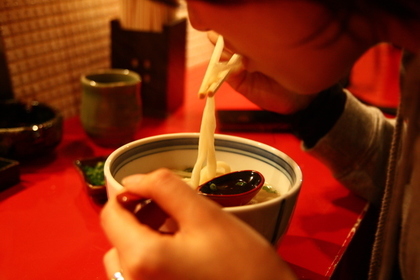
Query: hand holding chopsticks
{"x": 217, "y": 71}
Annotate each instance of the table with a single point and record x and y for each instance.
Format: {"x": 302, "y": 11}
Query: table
{"x": 50, "y": 227}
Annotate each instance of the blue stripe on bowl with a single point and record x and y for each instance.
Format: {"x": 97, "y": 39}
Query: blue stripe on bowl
{"x": 192, "y": 144}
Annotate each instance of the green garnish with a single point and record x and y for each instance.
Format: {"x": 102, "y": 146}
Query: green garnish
{"x": 269, "y": 189}
{"x": 213, "y": 187}
{"x": 95, "y": 174}
{"x": 240, "y": 183}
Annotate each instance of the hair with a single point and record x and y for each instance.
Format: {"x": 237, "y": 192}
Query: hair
{"x": 404, "y": 9}
{"x": 342, "y": 11}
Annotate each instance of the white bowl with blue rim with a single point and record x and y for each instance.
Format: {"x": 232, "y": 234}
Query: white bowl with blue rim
{"x": 179, "y": 151}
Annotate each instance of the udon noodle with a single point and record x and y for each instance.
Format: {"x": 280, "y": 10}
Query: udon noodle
{"x": 206, "y": 166}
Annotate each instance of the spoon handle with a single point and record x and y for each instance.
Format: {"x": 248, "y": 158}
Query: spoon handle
{"x": 145, "y": 210}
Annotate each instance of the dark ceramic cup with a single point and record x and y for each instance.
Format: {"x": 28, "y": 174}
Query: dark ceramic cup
{"x": 111, "y": 106}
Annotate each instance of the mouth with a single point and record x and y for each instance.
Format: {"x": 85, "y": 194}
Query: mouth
{"x": 248, "y": 65}
{"x": 230, "y": 48}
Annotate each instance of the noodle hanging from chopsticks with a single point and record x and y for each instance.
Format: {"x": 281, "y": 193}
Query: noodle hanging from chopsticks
{"x": 206, "y": 150}
{"x": 215, "y": 75}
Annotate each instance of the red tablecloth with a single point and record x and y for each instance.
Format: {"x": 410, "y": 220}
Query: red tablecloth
{"x": 50, "y": 227}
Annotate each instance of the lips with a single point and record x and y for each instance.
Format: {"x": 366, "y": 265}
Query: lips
{"x": 230, "y": 48}
{"x": 248, "y": 65}
{"x": 245, "y": 61}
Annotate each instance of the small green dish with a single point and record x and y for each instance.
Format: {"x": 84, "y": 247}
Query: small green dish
{"x": 91, "y": 171}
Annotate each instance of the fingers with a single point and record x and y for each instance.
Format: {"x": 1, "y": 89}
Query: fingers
{"x": 131, "y": 238}
{"x": 122, "y": 227}
{"x": 212, "y": 36}
{"x": 172, "y": 194}
{"x": 111, "y": 263}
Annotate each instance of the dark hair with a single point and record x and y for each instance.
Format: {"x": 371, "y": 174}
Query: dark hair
{"x": 342, "y": 10}
{"x": 404, "y": 9}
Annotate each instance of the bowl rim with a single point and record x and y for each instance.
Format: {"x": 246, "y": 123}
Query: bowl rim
{"x": 58, "y": 117}
{"x": 85, "y": 80}
{"x": 294, "y": 186}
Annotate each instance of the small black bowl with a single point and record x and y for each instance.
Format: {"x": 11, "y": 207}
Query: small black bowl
{"x": 28, "y": 130}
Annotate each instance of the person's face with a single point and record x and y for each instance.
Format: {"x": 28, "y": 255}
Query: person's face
{"x": 270, "y": 35}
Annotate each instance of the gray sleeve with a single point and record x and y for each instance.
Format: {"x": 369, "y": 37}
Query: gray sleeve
{"x": 356, "y": 149}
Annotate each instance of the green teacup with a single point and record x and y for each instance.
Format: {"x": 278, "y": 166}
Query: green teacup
{"x": 111, "y": 106}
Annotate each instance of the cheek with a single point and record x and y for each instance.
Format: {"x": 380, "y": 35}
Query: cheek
{"x": 271, "y": 46}
{"x": 309, "y": 74}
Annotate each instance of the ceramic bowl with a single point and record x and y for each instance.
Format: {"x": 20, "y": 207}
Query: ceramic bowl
{"x": 179, "y": 151}
{"x": 29, "y": 129}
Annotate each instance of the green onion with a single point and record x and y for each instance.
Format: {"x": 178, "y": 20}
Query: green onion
{"x": 213, "y": 187}
{"x": 240, "y": 183}
{"x": 269, "y": 189}
{"x": 95, "y": 174}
